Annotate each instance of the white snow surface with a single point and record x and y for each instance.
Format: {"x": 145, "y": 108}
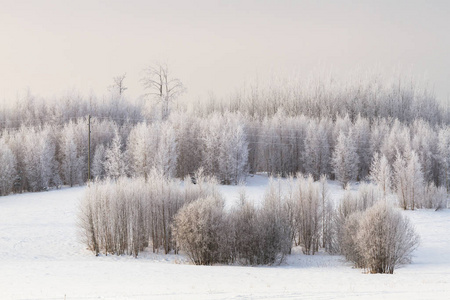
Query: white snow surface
{"x": 41, "y": 257}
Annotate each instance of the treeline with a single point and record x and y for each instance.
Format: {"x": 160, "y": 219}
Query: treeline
{"x": 128, "y": 215}
{"x": 410, "y": 160}
{"x": 369, "y": 96}
{"x": 33, "y": 111}
{"x": 326, "y": 96}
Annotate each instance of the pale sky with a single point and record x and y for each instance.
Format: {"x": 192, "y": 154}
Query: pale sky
{"x": 52, "y": 47}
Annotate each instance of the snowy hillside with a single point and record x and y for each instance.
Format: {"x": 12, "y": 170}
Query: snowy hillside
{"x": 41, "y": 258}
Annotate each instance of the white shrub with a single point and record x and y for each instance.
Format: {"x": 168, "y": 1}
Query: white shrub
{"x": 386, "y": 239}
{"x": 199, "y": 230}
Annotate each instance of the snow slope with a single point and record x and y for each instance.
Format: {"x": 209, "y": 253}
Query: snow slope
{"x": 41, "y": 258}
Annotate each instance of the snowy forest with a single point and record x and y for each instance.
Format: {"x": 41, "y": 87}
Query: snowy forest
{"x": 344, "y": 131}
{"x": 391, "y": 136}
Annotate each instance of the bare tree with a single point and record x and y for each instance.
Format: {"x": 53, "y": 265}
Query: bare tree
{"x": 118, "y": 84}
{"x": 160, "y": 84}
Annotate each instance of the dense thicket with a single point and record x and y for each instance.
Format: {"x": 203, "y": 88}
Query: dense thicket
{"x": 124, "y": 216}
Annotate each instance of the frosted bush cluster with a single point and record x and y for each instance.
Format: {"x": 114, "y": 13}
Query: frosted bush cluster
{"x": 126, "y": 216}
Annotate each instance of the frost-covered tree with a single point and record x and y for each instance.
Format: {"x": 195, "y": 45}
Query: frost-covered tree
{"x": 7, "y": 168}
{"x": 115, "y": 165}
{"x": 398, "y": 140}
{"x": 273, "y": 227}
{"x": 444, "y": 156}
{"x": 416, "y": 181}
{"x": 39, "y": 160}
{"x": 361, "y": 131}
{"x": 434, "y": 197}
{"x": 381, "y": 174}
{"x": 233, "y": 154}
{"x": 211, "y": 137}
{"x": 342, "y": 125}
{"x": 161, "y": 85}
{"x": 345, "y": 158}
{"x": 142, "y": 147}
{"x": 98, "y": 170}
{"x": 379, "y": 129}
{"x": 401, "y": 180}
{"x": 72, "y": 161}
{"x": 273, "y": 145}
{"x": 281, "y": 143}
{"x": 225, "y": 148}
{"x": 246, "y": 240}
{"x": 189, "y": 153}
{"x": 118, "y": 86}
{"x": 425, "y": 145}
{"x": 409, "y": 181}
{"x": 309, "y": 214}
{"x": 368, "y": 194}
{"x": 166, "y": 155}
{"x": 317, "y": 149}
{"x": 327, "y": 214}
{"x": 349, "y": 239}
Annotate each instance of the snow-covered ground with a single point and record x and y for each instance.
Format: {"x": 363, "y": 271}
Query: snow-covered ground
{"x": 41, "y": 258}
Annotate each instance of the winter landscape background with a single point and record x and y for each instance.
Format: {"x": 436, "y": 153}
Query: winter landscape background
{"x": 217, "y": 150}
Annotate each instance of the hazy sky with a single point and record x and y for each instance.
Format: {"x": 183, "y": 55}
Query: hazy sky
{"x": 55, "y": 46}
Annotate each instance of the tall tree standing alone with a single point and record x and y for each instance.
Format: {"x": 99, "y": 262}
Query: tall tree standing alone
{"x": 118, "y": 86}
{"x": 159, "y": 83}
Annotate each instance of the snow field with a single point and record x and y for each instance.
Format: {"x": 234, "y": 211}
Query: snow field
{"x": 41, "y": 258}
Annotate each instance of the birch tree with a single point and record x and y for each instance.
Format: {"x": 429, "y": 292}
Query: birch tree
{"x": 115, "y": 165}
{"x": 381, "y": 174}
{"x": 161, "y": 85}
{"x": 345, "y": 158}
